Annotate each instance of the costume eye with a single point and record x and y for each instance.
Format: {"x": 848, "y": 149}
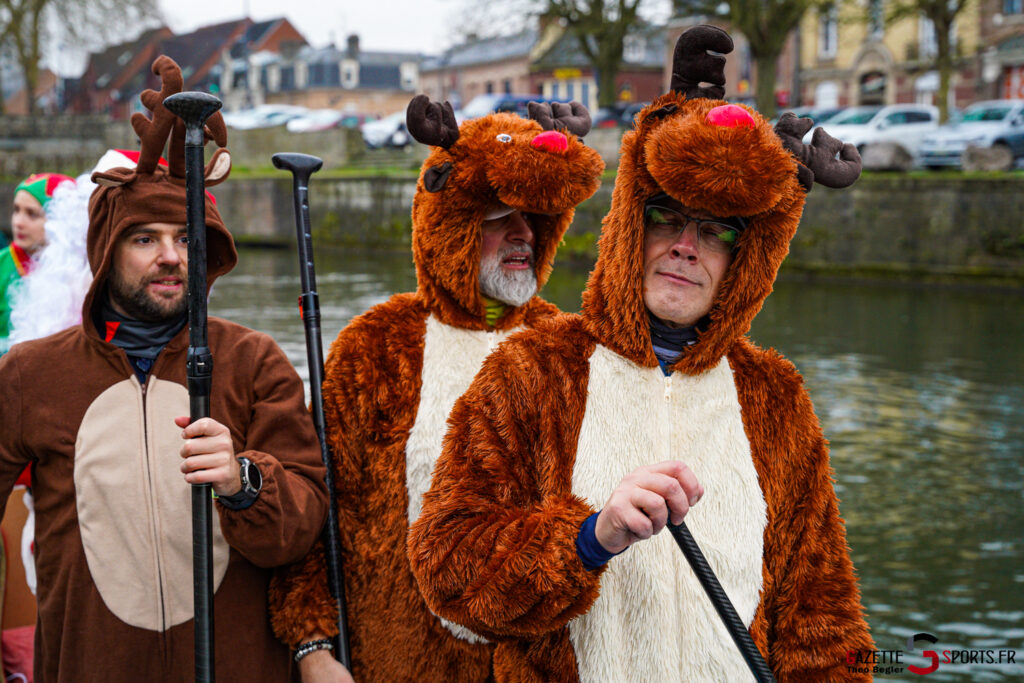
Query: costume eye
{"x": 504, "y": 137}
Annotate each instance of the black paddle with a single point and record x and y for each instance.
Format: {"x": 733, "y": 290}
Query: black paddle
{"x": 194, "y": 108}
{"x": 302, "y": 166}
{"x": 733, "y": 623}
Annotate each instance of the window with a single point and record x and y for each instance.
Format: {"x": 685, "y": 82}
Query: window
{"x": 287, "y": 81}
{"x": 633, "y": 48}
{"x": 489, "y": 88}
{"x": 506, "y": 86}
{"x": 570, "y": 90}
{"x": 585, "y": 93}
{"x": 876, "y": 19}
{"x": 1013, "y": 6}
{"x": 918, "y": 117}
{"x": 828, "y": 32}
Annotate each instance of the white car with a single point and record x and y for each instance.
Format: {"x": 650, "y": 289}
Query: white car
{"x": 904, "y": 124}
{"x": 264, "y": 116}
{"x": 983, "y": 124}
{"x": 386, "y": 132}
{"x": 316, "y": 119}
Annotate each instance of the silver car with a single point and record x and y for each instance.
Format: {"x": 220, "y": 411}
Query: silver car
{"x": 983, "y": 124}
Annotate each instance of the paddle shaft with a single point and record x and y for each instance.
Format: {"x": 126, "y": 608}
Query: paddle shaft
{"x": 302, "y": 167}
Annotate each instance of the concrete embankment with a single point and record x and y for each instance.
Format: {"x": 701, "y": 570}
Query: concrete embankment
{"x": 908, "y": 227}
{"x": 914, "y": 227}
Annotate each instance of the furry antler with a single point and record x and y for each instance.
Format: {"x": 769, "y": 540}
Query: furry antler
{"x": 153, "y": 133}
{"x": 693, "y": 65}
{"x": 572, "y": 117}
{"x": 431, "y": 123}
{"x": 818, "y": 162}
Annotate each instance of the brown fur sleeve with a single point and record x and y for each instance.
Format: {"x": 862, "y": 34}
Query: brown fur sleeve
{"x": 362, "y": 384}
{"x": 810, "y": 614}
{"x": 495, "y": 546}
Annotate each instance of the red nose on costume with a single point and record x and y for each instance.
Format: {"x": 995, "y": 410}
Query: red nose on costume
{"x": 730, "y": 116}
{"x": 551, "y": 141}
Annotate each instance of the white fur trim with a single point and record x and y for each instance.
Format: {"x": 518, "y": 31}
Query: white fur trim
{"x": 451, "y": 358}
{"x": 652, "y": 620}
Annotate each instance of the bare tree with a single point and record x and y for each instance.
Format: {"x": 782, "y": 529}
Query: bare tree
{"x": 766, "y": 24}
{"x": 600, "y": 29}
{"x": 599, "y": 26}
{"x": 88, "y": 22}
{"x": 942, "y": 14}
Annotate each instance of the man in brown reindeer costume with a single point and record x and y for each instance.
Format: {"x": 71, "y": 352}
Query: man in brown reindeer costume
{"x": 579, "y": 439}
{"x": 100, "y": 412}
{"x": 493, "y": 200}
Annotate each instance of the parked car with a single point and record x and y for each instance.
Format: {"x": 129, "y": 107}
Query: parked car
{"x": 389, "y": 131}
{"x": 983, "y": 124}
{"x": 620, "y": 115}
{"x": 903, "y": 124}
{"x": 315, "y": 119}
{"x": 263, "y": 116}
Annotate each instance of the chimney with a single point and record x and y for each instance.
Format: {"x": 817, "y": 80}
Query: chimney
{"x": 352, "y": 52}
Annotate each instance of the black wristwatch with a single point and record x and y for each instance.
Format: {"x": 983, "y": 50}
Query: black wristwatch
{"x": 252, "y": 482}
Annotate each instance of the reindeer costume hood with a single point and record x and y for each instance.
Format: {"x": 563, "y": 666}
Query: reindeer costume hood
{"x": 154, "y": 193}
{"x": 394, "y": 373}
{"x": 526, "y": 164}
{"x": 721, "y": 158}
{"x": 561, "y": 413}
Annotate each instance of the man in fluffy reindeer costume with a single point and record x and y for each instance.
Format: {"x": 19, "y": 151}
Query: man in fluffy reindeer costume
{"x": 493, "y": 200}
{"x": 100, "y": 411}
{"x": 579, "y": 438}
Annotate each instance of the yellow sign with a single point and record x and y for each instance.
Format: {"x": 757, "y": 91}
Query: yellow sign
{"x": 566, "y": 74}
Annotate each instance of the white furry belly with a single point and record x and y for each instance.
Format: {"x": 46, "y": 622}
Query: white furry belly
{"x": 652, "y": 620}
{"x": 451, "y": 358}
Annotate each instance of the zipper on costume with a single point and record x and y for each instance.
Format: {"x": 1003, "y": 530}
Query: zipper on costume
{"x": 153, "y": 500}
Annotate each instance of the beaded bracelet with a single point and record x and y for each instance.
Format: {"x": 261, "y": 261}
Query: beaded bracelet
{"x": 312, "y": 646}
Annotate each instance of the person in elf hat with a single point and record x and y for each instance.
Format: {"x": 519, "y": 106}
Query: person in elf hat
{"x": 493, "y": 200}
{"x": 580, "y": 439}
{"x": 100, "y": 411}
{"x": 28, "y": 224}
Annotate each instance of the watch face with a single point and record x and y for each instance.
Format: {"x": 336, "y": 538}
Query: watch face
{"x": 252, "y": 473}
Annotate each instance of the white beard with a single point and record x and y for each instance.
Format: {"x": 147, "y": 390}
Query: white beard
{"x": 514, "y": 287}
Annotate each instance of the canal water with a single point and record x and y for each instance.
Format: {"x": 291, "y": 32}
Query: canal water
{"x": 920, "y": 391}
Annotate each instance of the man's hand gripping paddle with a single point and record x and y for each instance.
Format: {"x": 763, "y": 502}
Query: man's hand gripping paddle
{"x": 302, "y": 166}
{"x": 194, "y": 108}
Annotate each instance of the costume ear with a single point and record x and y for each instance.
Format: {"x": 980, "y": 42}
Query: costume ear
{"x": 218, "y": 168}
{"x": 115, "y": 177}
{"x": 435, "y": 177}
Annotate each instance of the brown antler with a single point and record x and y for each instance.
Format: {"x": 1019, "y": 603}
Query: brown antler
{"x": 572, "y": 117}
{"x": 214, "y": 130}
{"x": 431, "y": 123}
{"x": 819, "y": 158}
{"x": 692, "y": 65}
{"x": 153, "y": 133}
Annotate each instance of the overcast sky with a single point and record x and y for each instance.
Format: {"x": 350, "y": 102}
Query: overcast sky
{"x": 403, "y": 25}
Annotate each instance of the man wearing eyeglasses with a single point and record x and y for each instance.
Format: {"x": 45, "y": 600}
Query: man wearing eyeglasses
{"x": 580, "y": 439}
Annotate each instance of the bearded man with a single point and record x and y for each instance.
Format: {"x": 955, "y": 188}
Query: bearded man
{"x": 492, "y": 203}
{"x": 99, "y": 412}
